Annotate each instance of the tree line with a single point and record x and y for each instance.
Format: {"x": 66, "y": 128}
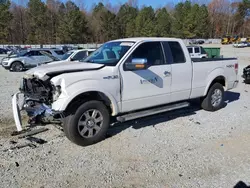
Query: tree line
{"x": 55, "y": 22}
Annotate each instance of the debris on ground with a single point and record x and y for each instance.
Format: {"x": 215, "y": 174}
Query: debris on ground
{"x": 33, "y": 132}
{"x": 21, "y": 146}
{"x": 36, "y": 140}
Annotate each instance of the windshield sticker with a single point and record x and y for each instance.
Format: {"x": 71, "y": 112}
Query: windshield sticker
{"x": 126, "y": 44}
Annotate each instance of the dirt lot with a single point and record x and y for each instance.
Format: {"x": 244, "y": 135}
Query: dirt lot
{"x": 185, "y": 148}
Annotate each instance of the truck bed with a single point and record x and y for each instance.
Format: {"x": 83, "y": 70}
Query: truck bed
{"x": 206, "y": 69}
{"x": 197, "y": 60}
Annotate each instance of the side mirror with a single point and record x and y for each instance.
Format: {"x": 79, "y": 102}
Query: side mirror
{"x": 136, "y": 64}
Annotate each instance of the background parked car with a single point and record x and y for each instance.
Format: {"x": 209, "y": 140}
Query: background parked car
{"x": 3, "y": 51}
{"x": 28, "y": 59}
{"x": 240, "y": 45}
{"x": 197, "y": 52}
{"x": 75, "y": 55}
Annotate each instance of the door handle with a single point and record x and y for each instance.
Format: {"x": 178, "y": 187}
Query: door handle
{"x": 166, "y": 73}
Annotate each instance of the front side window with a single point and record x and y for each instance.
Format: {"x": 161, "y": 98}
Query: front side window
{"x": 109, "y": 53}
{"x": 59, "y": 52}
{"x": 152, "y": 51}
{"x": 48, "y": 51}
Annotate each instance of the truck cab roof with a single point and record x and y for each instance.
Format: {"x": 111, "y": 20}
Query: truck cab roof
{"x": 141, "y": 39}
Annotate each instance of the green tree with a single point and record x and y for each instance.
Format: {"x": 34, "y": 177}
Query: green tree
{"x": 73, "y": 27}
{"x": 5, "y": 20}
{"x": 241, "y": 14}
{"x": 145, "y": 23}
{"x": 37, "y": 18}
{"x": 126, "y": 19}
{"x": 179, "y": 18}
{"x": 203, "y": 22}
{"x": 104, "y": 26}
{"x": 190, "y": 21}
{"x": 163, "y": 23}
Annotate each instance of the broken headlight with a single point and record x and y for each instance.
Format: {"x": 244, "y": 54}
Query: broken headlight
{"x": 56, "y": 92}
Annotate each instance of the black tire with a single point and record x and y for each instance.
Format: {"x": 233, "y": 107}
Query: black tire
{"x": 72, "y": 129}
{"x": 17, "y": 66}
{"x": 247, "y": 81}
{"x": 206, "y": 102}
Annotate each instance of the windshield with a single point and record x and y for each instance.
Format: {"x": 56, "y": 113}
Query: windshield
{"x": 109, "y": 53}
{"x": 66, "y": 55}
{"x": 21, "y": 53}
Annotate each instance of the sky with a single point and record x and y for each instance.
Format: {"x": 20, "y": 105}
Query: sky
{"x": 153, "y": 3}
{"x": 88, "y": 4}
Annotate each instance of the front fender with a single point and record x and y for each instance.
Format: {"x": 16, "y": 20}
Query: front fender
{"x": 212, "y": 76}
{"x": 77, "y": 89}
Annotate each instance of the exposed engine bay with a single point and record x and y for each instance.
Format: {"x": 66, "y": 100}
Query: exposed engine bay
{"x": 246, "y": 74}
{"x": 38, "y": 96}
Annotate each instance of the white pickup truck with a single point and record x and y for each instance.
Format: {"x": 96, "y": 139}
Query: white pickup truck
{"x": 136, "y": 77}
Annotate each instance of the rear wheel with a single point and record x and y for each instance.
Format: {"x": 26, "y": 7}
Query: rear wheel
{"x": 17, "y": 67}
{"x": 88, "y": 124}
{"x": 214, "y": 98}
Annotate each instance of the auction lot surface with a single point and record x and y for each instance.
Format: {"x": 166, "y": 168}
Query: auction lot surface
{"x": 185, "y": 148}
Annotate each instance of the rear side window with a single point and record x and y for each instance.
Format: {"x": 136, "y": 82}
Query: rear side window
{"x": 196, "y": 50}
{"x": 34, "y": 53}
{"x": 48, "y": 51}
{"x": 190, "y": 50}
{"x": 59, "y": 52}
{"x": 177, "y": 52}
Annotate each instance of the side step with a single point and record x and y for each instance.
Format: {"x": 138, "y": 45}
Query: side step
{"x": 152, "y": 111}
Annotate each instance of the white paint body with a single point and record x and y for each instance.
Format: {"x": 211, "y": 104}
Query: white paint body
{"x": 126, "y": 93}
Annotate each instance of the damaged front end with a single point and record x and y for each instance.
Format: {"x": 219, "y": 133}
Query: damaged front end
{"x": 246, "y": 74}
{"x": 36, "y": 96}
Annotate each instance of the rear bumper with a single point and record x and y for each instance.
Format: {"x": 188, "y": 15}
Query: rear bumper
{"x": 232, "y": 85}
{"x": 236, "y": 84}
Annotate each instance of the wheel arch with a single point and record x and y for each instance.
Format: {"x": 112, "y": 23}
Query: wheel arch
{"x": 107, "y": 99}
{"x": 16, "y": 61}
{"x": 218, "y": 79}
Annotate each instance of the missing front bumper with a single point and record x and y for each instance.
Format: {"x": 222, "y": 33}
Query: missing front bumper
{"x": 37, "y": 112}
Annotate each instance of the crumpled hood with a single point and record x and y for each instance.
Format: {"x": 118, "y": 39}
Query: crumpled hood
{"x": 65, "y": 67}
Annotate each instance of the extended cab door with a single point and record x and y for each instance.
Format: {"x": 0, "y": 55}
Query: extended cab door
{"x": 146, "y": 88}
{"x": 182, "y": 70}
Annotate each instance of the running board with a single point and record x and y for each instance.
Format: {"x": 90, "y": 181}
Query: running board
{"x": 152, "y": 111}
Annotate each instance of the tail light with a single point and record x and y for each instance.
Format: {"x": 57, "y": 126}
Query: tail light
{"x": 236, "y": 67}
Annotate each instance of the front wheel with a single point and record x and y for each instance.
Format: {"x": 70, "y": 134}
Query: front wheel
{"x": 88, "y": 124}
{"x": 214, "y": 99}
{"x": 17, "y": 67}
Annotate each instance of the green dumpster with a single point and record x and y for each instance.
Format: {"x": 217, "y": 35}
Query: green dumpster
{"x": 212, "y": 52}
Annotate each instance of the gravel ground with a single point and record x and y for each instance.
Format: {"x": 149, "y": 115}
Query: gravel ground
{"x": 184, "y": 148}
